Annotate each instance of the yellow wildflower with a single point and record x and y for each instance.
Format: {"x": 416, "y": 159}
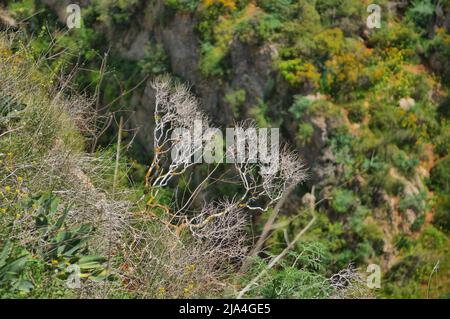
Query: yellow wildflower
{"x": 190, "y": 268}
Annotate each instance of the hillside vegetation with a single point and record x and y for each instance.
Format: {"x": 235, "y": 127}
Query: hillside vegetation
{"x": 366, "y": 109}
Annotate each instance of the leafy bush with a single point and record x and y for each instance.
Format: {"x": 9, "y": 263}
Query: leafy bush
{"x": 55, "y": 247}
{"x": 329, "y": 43}
{"x": 399, "y": 36}
{"x": 235, "y": 100}
{"x": 348, "y": 15}
{"x": 356, "y": 220}
{"x": 403, "y": 163}
{"x": 305, "y": 132}
{"x": 278, "y": 7}
{"x": 294, "y": 283}
{"x": 403, "y": 242}
{"x": 300, "y": 276}
{"x": 324, "y": 46}
{"x": 12, "y": 267}
{"x": 441, "y": 217}
{"x": 183, "y": 5}
{"x": 299, "y": 73}
{"x": 116, "y": 12}
{"x": 259, "y": 113}
{"x": 229, "y": 4}
{"x": 438, "y": 52}
{"x": 440, "y": 175}
{"x": 391, "y": 185}
{"x": 357, "y": 112}
{"x": 347, "y": 71}
{"x": 259, "y": 29}
{"x": 217, "y": 47}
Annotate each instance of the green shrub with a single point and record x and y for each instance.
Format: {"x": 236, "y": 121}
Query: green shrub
{"x": 393, "y": 186}
{"x": 281, "y": 8}
{"x": 363, "y": 251}
{"x": 259, "y": 113}
{"x": 442, "y": 143}
{"x": 64, "y": 246}
{"x": 299, "y": 73}
{"x": 12, "y": 268}
{"x": 207, "y": 21}
{"x": 183, "y": 5}
{"x": 418, "y": 222}
{"x": 259, "y": 29}
{"x": 346, "y": 14}
{"x": 356, "y": 220}
{"x": 405, "y": 164}
{"x": 415, "y": 202}
{"x": 399, "y": 36}
{"x": 328, "y": 43}
{"x": 403, "y": 242}
{"x": 440, "y": 175}
{"x": 305, "y": 132}
{"x": 268, "y": 25}
{"x": 432, "y": 238}
{"x": 347, "y": 71}
{"x": 155, "y": 61}
{"x": 441, "y": 217}
{"x": 356, "y": 112}
{"x": 116, "y": 12}
{"x": 299, "y": 276}
{"x": 54, "y": 247}
{"x": 211, "y": 63}
{"x": 295, "y": 283}
{"x": 343, "y": 200}
{"x": 421, "y": 12}
{"x": 444, "y": 108}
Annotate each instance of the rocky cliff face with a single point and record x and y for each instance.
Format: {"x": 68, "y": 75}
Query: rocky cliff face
{"x": 251, "y": 67}
{"x": 251, "y": 70}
